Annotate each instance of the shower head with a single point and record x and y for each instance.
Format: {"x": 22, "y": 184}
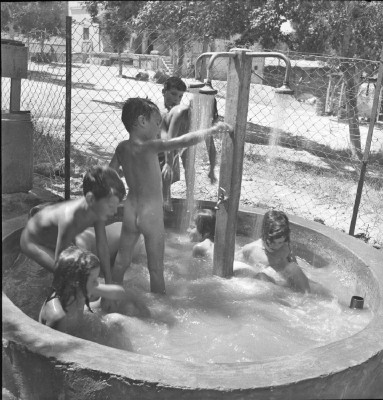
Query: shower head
{"x": 208, "y": 89}
{"x": 196, "y": 85}
{"x": 284, "y": 89}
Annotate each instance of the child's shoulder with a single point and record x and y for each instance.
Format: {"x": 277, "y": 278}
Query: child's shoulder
{"x": 51, "y": 312}
{"x": 47, "y": 214}
{"x": 181, "y": 110}
{"x": 255, "y": 244}
{"x": 122, "y": 146}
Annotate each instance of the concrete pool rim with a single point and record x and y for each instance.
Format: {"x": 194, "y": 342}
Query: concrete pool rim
{"x": 356, "y": 358}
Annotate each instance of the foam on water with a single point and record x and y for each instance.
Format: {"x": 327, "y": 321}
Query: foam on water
{"x": 205, "y": 318}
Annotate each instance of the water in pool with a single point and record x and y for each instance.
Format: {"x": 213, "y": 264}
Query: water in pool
{"x": 204, "y": 318}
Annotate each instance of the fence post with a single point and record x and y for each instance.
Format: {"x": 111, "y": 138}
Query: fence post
{"x": 366, "y": 153}
{"x": 68, "y": 101}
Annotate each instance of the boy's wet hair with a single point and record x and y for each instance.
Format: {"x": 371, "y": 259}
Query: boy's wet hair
{"x": 205, "y": 223}
{"x": 133, "y": 108}
{"x": 103, "y": 181}
{"x": 72, "y": 270}
{"x": 175, "y": 83}
{"x": 275, "y": 225}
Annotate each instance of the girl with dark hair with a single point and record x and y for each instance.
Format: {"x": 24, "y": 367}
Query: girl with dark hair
{"x": 75, "y": 280}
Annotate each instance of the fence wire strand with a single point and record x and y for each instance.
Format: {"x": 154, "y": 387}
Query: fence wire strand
{"x": 297, "y": 153}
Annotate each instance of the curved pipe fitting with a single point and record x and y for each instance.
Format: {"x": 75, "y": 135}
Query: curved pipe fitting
{"x": 213, "y": 58}
{"x": 200, "y": 57}
{"x": 276, "y": 55}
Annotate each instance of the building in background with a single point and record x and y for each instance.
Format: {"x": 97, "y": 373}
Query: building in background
{"x": 86, "y": 35}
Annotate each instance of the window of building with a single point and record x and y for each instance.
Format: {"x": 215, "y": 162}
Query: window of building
{"x": 85, "y": 34}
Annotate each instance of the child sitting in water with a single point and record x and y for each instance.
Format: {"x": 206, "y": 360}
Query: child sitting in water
{"x": 203, "y": 233}
{"x": 75, "y": 279}
{"x": 272, "y": 250}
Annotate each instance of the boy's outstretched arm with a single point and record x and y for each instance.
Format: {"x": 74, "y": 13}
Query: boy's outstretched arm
{"x": 190, "y": 139}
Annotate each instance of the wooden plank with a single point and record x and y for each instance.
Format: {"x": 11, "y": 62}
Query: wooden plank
{"x": 230, "y": 179}
{"x": 14, "y": 61}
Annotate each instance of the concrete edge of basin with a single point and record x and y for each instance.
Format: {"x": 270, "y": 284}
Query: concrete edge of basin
{"x": 320, "y": 369}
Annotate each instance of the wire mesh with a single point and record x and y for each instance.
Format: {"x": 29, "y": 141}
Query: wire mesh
{"x": 297, "y": 151}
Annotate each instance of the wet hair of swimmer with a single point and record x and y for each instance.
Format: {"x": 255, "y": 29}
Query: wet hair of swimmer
{"x": 73, "y": 268}
{"x": 205, "y": 223}
{"x": 275, "y": 225}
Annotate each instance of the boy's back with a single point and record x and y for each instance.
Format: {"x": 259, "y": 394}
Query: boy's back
{"x": 55, "y": 227}
{"x": 44, "y": 225}
{"x": 141, "y": 169}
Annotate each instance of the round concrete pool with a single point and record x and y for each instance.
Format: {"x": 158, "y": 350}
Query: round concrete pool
{"x": 40, "y": 363}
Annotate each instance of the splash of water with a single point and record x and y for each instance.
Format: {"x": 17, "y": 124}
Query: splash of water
{"x": 282, "y": 102}
{"x": 201, "y": 116}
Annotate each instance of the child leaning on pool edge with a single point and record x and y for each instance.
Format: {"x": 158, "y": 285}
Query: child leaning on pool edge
{"x": 143, "y": 207}
{"x": 57, "y": 226}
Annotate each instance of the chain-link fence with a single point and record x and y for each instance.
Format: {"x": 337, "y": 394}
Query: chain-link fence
{"x": 43, "y": 93}
{"x": 297, "y": 151}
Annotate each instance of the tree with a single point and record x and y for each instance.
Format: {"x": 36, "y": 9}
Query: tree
{"x": 115, "y": 19}
{"x": 37, "y": 19}
{"x": 194, "y": 19}
{"x": 348, "y": 29}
